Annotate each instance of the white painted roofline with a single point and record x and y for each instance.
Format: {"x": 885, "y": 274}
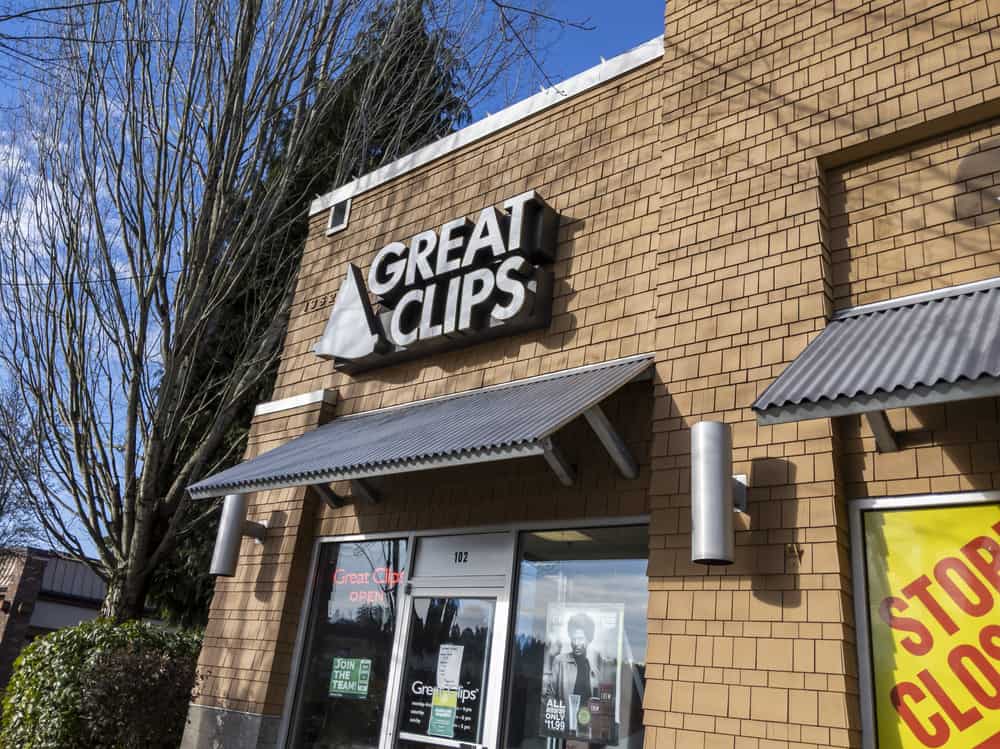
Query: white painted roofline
{"x": 588, "y": 79}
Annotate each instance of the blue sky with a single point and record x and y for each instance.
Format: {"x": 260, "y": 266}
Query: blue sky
{"x": 618, "y": 25}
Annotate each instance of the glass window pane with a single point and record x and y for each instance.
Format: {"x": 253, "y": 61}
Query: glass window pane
{"x": 345, "y": 663}
{"x": 444, "y": 683}
{"x": 578, "y": 654}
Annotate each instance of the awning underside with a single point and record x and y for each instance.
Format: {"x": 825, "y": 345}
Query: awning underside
{"x": 939, "y": 348}
{"x": 495, "y": 423}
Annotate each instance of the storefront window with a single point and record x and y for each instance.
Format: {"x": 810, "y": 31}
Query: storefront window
{"x": 579, "y": 645}
{"x": 345, "y": 664}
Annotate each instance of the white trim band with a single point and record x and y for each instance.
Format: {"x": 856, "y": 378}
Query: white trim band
{"x": 911, "y": 299}
{"x": 588, "y": 79}
{"x": 326, "y": 395}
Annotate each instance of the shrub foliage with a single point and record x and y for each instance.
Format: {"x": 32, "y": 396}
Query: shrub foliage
{"x": 101, "y": 684}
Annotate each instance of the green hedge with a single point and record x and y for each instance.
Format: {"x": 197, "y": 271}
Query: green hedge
{"x": 99, "y": 684}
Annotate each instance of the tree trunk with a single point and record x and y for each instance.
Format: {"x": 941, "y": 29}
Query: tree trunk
{"x": 126, "y": 597}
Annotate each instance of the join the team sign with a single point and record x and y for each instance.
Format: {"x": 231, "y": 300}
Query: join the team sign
{"x": 934, "y": 608}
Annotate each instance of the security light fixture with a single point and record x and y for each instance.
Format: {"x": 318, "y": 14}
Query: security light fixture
{"x": 713, "y": 539}
{"x": 233, "y": 526}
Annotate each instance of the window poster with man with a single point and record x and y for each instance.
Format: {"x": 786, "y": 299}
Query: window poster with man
{"x": 582, "y": 669}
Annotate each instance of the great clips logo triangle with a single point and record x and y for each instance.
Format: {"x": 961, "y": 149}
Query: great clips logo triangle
{"x": 447, "y": 287}
{"x": 353, "y": 331}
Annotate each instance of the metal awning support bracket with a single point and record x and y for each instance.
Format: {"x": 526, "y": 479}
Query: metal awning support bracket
{"x": 330, "y": 498}
{"x": 256, "y": 531}
{"x": 365, "y": 491}
{"x": 885, "y": 436}
{"x": 360, "y": 489}
{"x": 612, "y": 442}
{"x": 557, "y": 462}
{"x": 740, "y": 490}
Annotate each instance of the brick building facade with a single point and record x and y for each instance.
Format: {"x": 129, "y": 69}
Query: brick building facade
{"x": 41, "y": 591}
{"x": 725, "y": 197}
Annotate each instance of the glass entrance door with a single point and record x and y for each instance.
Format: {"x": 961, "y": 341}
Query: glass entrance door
{"x": 445, "y": 684}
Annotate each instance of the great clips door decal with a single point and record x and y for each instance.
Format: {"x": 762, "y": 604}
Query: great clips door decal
{"x": 934, "y": 612}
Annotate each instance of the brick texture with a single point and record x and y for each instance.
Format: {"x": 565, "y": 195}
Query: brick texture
{"x": 767, "y": 229}
{"x": 248, "y": 643}
{"x": 19, "y": 599}
{"x": 920, "y": 219}
{"x": 594, "y": 160}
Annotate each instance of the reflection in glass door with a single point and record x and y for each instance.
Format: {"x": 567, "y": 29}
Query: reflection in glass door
{"x": 445, "y": 677}
{"x": 342, "y": 685}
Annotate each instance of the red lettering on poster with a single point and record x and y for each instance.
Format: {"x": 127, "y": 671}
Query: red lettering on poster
{"x": 948, "y": 571}
{"x": 936, "y": 737}
{"x": 920, "y": 589}
{"x": 961, "y": 718}
{"x": 962, "y": 584}
{"x": 989, "y": 569}
{"x": 989, "y": 640}
{"x": 924, "y": 642}
{"x": 960, "y": 658}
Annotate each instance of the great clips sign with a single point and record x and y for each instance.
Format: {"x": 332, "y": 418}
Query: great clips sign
{"x": 446, "y": 287}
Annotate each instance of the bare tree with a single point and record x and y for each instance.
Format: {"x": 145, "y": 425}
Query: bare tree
{"x": 17, "y": 520}
{"x": 144, "y": 191}
{"x": 26, "y": 28}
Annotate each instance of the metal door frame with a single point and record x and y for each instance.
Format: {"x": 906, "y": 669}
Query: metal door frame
{"x": 496, "y": 654}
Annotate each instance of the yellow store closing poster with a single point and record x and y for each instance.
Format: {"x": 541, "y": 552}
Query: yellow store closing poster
{"x": 934, "y": 613}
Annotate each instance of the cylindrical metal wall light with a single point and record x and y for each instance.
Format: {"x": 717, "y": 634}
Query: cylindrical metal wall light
{"x": 712, "y": 537}
{"x": 227, "y": 542}
{"x": 233, "y": 526}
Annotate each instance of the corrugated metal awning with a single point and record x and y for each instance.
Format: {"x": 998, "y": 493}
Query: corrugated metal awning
{"x": 929, "y": 348}
{"x": 494, "y": 423}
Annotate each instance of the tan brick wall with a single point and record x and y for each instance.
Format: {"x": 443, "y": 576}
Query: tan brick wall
{"x": 594, "y": 159}
{"x": 919, "y": 219}
{"x": 947, "y": 448}
{"x": 761, "y": 100}
{"x": 914, "y": 220}
{"x": 248, "y": 643}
